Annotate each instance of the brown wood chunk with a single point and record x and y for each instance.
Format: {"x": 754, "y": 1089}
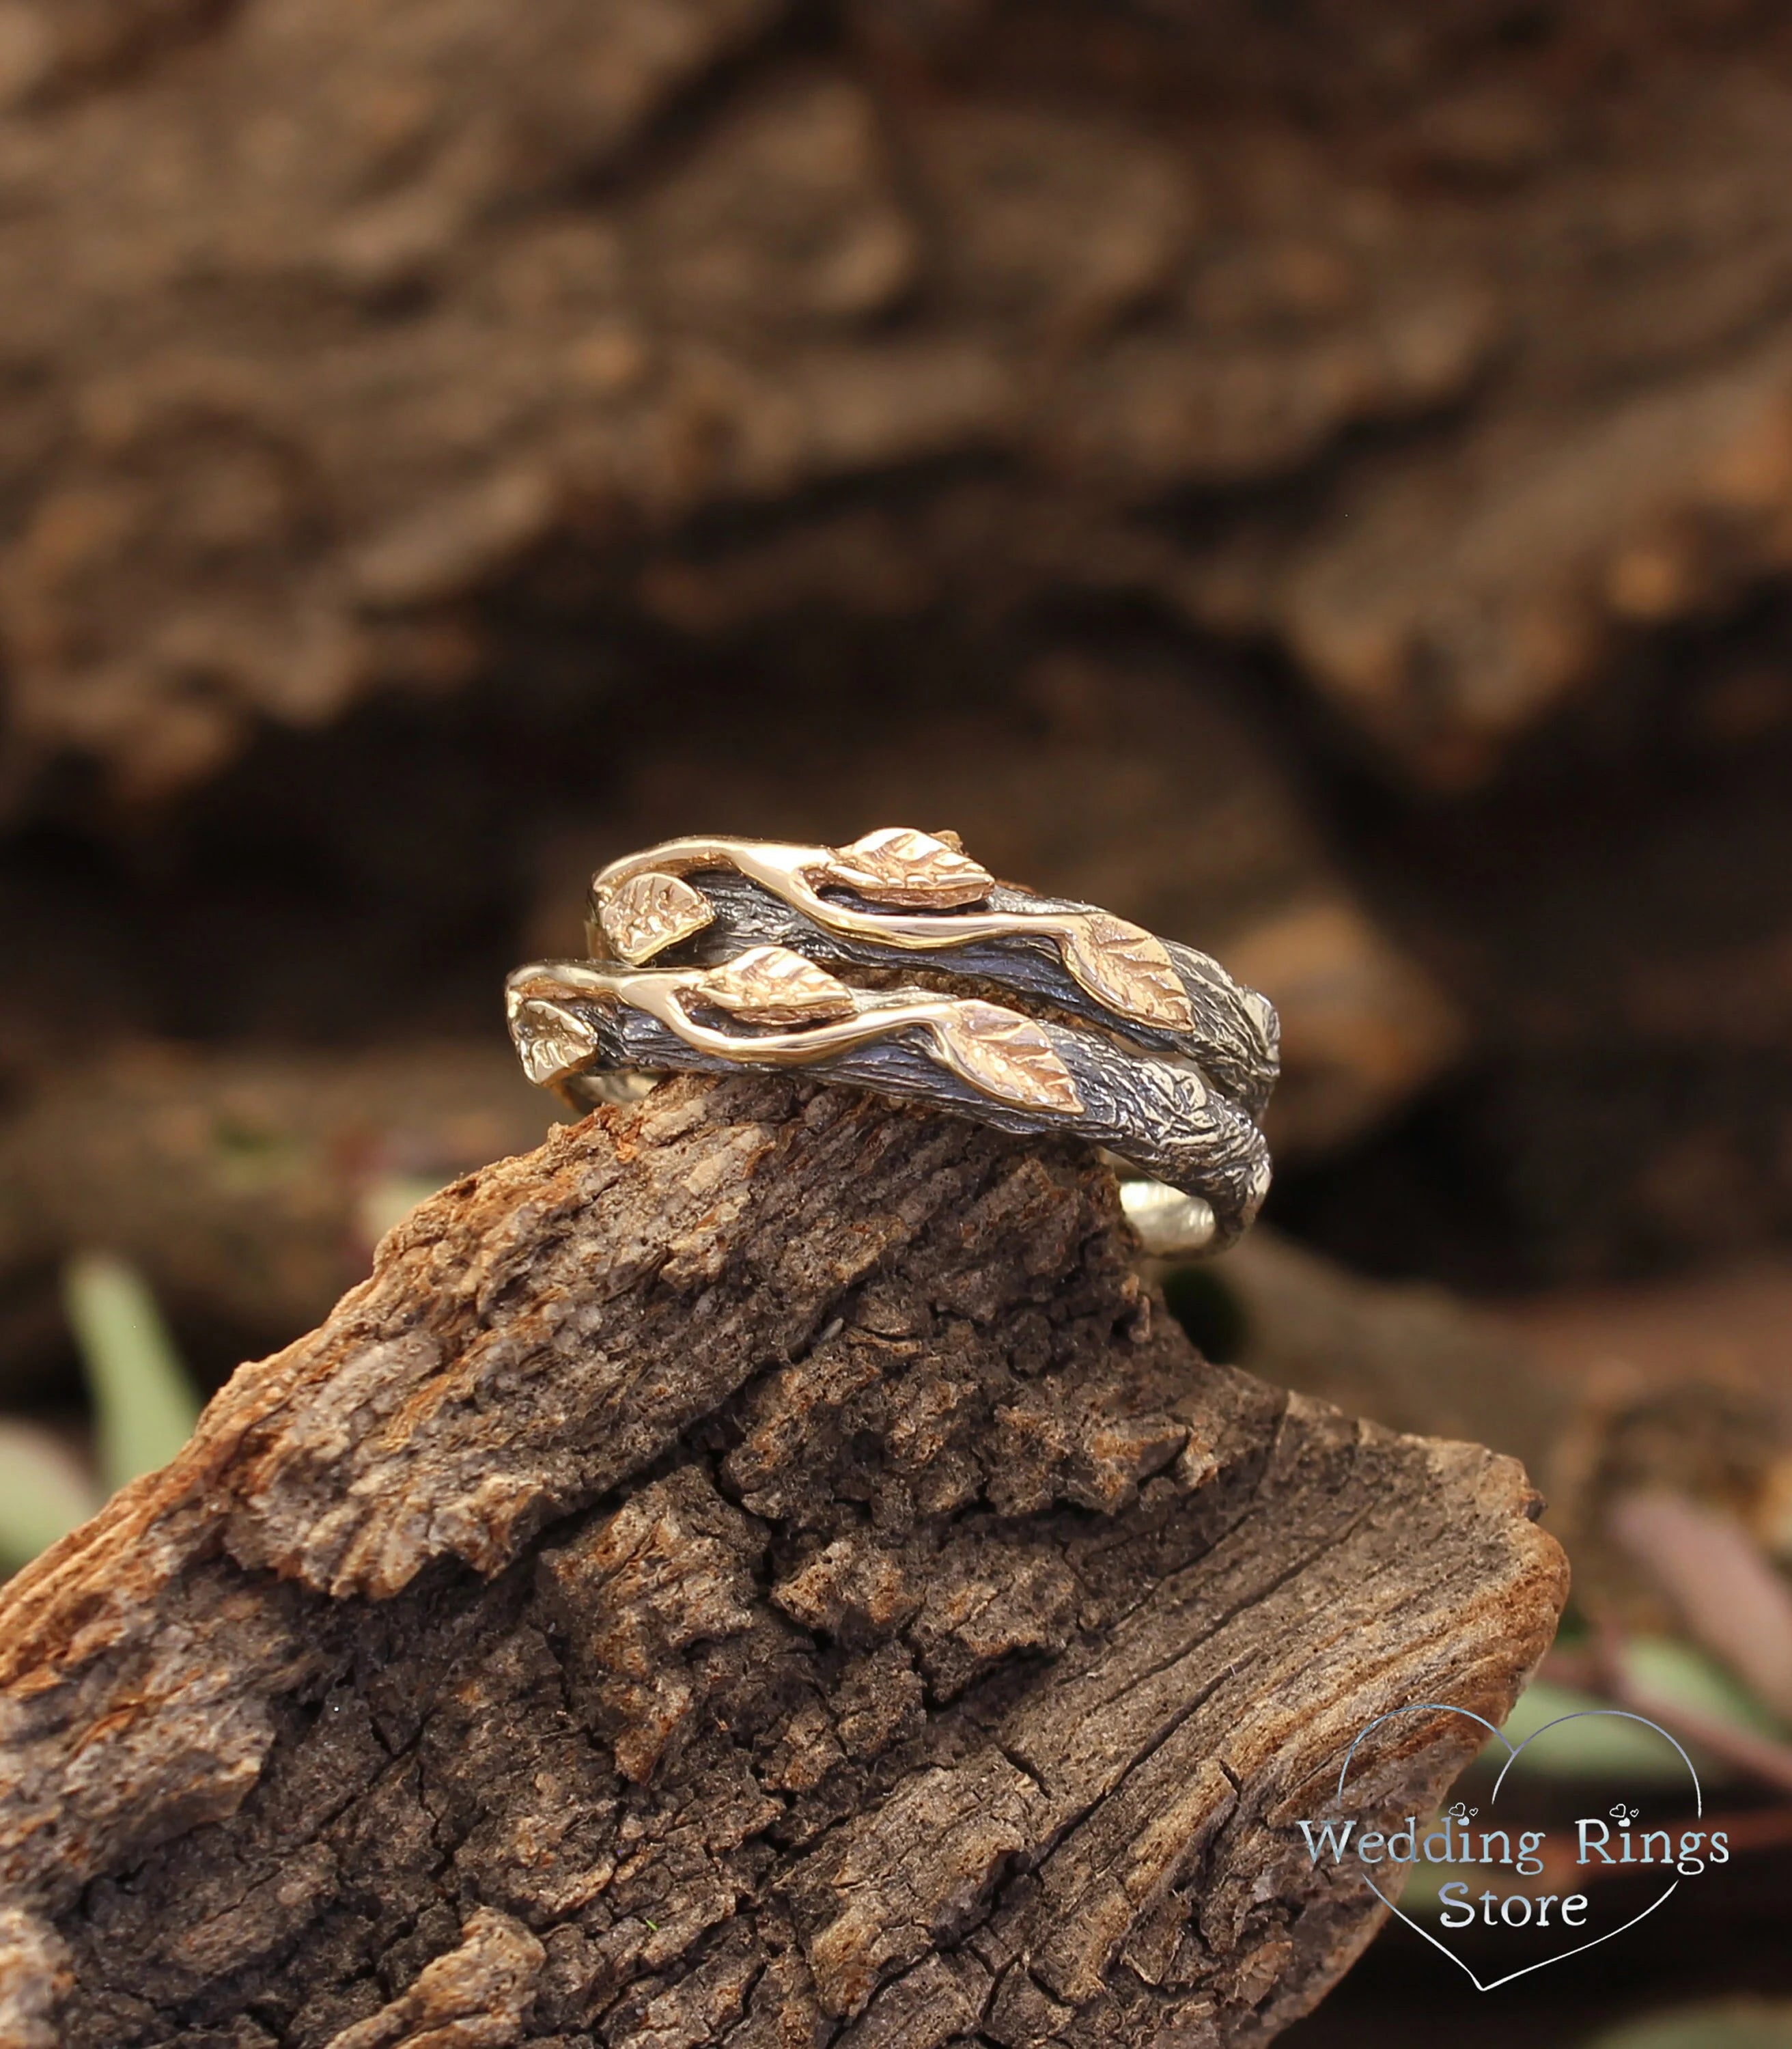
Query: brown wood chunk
{"x": 752, "y": 1571}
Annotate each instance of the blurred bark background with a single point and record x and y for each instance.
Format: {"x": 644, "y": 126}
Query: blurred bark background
{"x": 1315, "y": 478}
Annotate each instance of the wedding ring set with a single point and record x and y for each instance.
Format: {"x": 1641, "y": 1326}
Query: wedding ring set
{"x": 900, "y": 964}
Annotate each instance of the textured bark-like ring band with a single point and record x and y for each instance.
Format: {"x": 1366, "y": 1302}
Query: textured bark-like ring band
{"x": 900, "y": 964}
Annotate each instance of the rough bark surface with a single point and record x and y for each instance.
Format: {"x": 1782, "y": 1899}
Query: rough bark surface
{"x": 752, "y": 1571}
{"x": 1409, "y": 1355}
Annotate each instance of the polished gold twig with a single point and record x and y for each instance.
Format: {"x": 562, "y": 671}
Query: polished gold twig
{"x": 1120, "y": 964}
{"x": 999, "y": 1053}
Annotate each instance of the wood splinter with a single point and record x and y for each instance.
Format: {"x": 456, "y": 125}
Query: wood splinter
{"x": 753, "y": 1571}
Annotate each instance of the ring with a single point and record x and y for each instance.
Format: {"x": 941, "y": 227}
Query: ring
{"x": 900, "y": 964}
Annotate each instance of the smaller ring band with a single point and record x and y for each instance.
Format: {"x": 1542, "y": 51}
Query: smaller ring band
{"x": 900, "y": 964}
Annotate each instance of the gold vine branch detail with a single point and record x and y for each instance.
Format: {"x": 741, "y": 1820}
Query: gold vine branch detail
{"x": 930, "y": 886}
{"x": 1000, "y": 1053}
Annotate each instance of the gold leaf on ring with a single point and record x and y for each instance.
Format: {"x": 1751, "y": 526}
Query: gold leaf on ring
{"x": 1007, "y": 1055}
{"x": 550, "y": 1040}
{"x": 648, "y": 913}
{"x": 898, "y": 865}
{"x": 1127, "y": 968}
{"x": 772, "y": 985}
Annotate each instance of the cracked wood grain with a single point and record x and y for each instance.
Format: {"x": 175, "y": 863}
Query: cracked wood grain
{"x": 752, "y": 1573}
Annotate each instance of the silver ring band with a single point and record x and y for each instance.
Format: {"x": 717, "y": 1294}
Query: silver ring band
{"x": 900, "y": 964}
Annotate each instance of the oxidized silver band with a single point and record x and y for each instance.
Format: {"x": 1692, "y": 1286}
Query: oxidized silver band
{"x": 900, "y": 964}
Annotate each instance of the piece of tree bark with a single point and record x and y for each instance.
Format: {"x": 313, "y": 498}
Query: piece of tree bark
{"x": 1604, "y": 1396}
{"x": 1411, "y": 1356}
{"x": 752, "y": 1571}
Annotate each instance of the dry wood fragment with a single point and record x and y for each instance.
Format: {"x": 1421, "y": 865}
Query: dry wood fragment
{"x": 752, "y": 1572}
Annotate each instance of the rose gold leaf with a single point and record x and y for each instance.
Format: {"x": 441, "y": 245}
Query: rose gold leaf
{"x": 914, "y": 870}
{"x": 1129, "y": 969}
{"x": 771, "y": 986}
{"x": 550, "y": 1040}
{"x": 648, "y": 913}
{"x": 1007, "y": 1055}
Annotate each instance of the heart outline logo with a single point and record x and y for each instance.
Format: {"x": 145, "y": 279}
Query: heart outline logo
{"x": 1514, "y": 1752}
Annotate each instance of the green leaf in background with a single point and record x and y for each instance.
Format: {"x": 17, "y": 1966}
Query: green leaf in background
{"x": 45, "y": 1492}
{"x": 1421, "y": 1889}
{"x": 1597, "y": 1746}
{"x": 144, "y": 1405}
{"x": 1672, "y": 1675}
{"x": 390, "y": 1199}
{"x": 1742, "y": 2024}
{"x": 1680, "y": 1675}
